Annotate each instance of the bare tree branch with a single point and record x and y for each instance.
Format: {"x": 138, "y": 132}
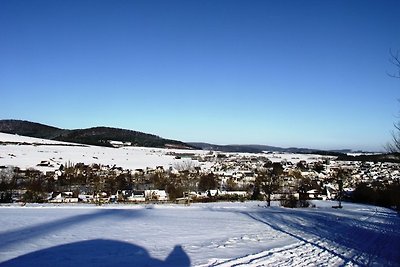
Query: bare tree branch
{"x": 394, "y": 145}
{"x": 395, "y": 60}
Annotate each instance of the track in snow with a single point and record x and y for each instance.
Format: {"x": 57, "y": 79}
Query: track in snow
{"x": 327, "y": 238}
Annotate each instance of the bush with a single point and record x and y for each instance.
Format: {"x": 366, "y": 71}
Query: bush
{"x": 5, "y": 197}
{"x": 305, "y": 204}
{"x": 33, "y": 197}
{"x": 257, "y": 194}
{"x": 290, "y": 201}
{"x": 233, "y": 198}
{"x": 378, "y": 194}
{"x": 174, "y": 191}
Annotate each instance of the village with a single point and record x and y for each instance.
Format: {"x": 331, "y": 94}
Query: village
{"x": 199, "y": 178}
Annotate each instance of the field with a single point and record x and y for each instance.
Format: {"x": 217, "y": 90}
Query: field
{"x": 28, "y": 152}
{"x": 214, "y": 234}
{"x": 217, "y": 234}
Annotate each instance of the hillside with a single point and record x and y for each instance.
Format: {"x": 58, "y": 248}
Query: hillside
{"x": 227, "y": 148}
{"x": 261, "y": 148}
{"x": 99, "y": 136}
{"x": 391, "y": 157}
{"x": 102, "y": 135}
{"x": 31, "y": 129}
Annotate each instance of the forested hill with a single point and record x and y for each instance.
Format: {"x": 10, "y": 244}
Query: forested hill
{"x": 32, "y": 129}
{"x": 391, "y": 157}
{"x": 100, "y": 136}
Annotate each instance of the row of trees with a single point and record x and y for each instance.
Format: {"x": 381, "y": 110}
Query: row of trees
{"x": 86, "y": 179}
{"x": 378, "y": 194}
{"x": 81, "y": 178}
{"x": 91, "y": 180}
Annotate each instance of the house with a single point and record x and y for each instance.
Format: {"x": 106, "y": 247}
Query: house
{"x": 131, "y": 195}
{"x": 159, "y": 195}
{"x": 44, "y": 163}
{"x": 234, "y": 193}
{"x": 213, "y": 192}
{"x": 314, "y": 194}
{"x": 113, "y": 198}
{"x": 63, "y": 197}
{"x": 139, "y": 172}
{"x": 150, "y": 170}
{"x": 160, "y": 169}
{"x": 86, "y": 198}
{"x": 101, "y": 197}
{"x": 116, "y": 143}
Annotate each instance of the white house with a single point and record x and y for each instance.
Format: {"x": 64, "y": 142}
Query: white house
{"x": 159, "y": 195}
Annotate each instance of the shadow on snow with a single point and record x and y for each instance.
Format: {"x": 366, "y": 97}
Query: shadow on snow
{"x": 98, "y": 252}
{"x": 364, "y": 241}
{"x": 12, "y": 238}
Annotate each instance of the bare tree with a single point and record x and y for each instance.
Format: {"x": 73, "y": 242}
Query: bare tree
{"x": 185, "y": 165}
{"x": 270, "y": 180}
{"x": 187, "y": 178}
{"x": 342, "y": 177}
{"x": 395, "y": 60}
{"x": 394, "y": 146}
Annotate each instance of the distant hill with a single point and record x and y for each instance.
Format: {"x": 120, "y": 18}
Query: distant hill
{"x": 340, "y": 154}
{"x": 391, "y": 157}
{"x": 261, "y": 148}
{"x": 31, "y": 129}
{"x": 226, "y": 148}
{"x": 100, "y": 136}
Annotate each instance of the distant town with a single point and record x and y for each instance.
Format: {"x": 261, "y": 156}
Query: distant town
{"x": 212, "y": 176}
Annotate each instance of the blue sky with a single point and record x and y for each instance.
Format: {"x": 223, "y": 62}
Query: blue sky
{"x": 284, "y": 73}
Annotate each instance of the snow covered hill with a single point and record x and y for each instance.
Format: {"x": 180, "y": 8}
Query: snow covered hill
{"x": 217, "y": 234}
{"x": 28, "y": 152}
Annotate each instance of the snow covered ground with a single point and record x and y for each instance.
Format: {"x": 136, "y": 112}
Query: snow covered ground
{"x": 28, "y": 152}
{"x": 215, "y": 234}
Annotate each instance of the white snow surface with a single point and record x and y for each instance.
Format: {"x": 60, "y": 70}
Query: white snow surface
{"x": 15, "y": 138}
{"x": 216, "y": 234}
{"x": 28, "y": 152}
{"x": 213, "y": 234}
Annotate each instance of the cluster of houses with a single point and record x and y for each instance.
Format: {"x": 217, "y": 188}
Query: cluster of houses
{"x": 135, "y": 196}
{"x": 242, "y": 171}
{"x": 236, "y": 175}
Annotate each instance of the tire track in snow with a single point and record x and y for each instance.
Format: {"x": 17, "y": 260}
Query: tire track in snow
{"x": 379, "y": 244}
{"x": 299, "y": 254}
{"x": 314, "y": 249}
{"x": 310, "y": 242}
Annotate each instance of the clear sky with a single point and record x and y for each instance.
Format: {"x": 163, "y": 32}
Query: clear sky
{"x": 284, "y": 73}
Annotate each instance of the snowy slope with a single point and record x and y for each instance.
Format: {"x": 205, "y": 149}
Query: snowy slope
{"x": 217, "y": 234}
{"x": 14, "y": 138}
{"x": 27, "y": 152}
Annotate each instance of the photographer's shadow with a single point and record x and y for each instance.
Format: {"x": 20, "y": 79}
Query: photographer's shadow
{"x": 98, "y": 252}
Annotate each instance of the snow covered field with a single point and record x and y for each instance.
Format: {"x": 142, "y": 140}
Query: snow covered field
{"x": 217, "y": 234}
{"x": 28, "y": 152}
